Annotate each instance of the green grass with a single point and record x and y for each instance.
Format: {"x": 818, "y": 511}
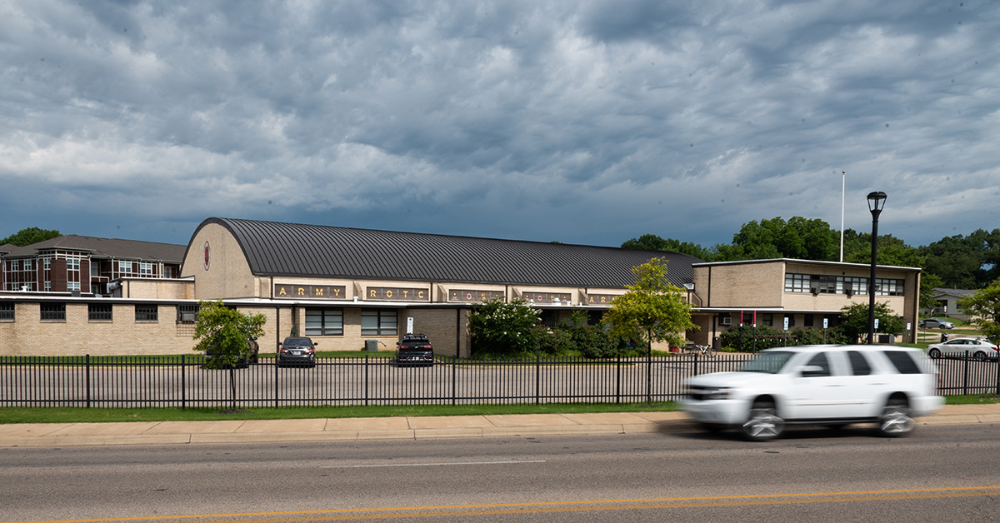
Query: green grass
{"x": 34, "y": 415}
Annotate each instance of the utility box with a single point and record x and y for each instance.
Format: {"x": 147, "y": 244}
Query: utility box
{"x": 371, "y": 345}
{"x": 886, "y": 339}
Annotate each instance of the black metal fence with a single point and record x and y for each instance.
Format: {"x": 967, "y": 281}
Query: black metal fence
{"x": 183, "y": 381}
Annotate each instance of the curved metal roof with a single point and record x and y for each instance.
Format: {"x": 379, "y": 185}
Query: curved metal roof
{"x": 301, "y": 250}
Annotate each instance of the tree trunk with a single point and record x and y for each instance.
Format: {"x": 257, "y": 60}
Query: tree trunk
{"x": 649, "y": 366}
{"x": 232, "y": 384}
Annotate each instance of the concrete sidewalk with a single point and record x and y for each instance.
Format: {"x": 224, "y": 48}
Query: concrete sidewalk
{"x": 398, "y": 428}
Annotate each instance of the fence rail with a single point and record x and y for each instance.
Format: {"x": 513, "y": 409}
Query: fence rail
{"x": 183, "y": 381}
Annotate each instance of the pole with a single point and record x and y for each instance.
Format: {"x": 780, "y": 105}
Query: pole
{"x": 871, "y": 281}
{"x": 843, "y": 196}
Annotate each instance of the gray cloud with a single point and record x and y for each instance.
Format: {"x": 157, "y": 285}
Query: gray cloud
{"x": 588, "y": 122}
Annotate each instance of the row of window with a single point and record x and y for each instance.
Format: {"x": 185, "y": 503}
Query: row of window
{"x": 830, "y": 284}
{"x": 319, "y": 322}
{"x": 768, "y": 319}
{"x": 330, "y": 322}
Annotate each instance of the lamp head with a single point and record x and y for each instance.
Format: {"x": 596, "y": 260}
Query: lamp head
{"x": 876, "y": 201}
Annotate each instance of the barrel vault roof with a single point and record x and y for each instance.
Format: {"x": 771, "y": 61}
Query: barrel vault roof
{"x": 300, "y": 250}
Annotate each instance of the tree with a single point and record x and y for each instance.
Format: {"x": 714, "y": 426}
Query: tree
{"x": 652, "y": 309}
{"x": 927, "y": 284}
{"x": 226, "y": 334}
{"x": 807, "y": 239}
{"x": 30, "y": 235}
{"x": 854, "y": 320}
{"x": 655, "y": 243}
{"x": 498, "y": 327}
{"x": 984, "y": 308}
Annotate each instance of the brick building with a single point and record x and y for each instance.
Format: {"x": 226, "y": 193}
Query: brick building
{"x": 344, "y": 286}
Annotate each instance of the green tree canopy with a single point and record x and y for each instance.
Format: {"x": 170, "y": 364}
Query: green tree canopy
{"x": 656, "y": 243}
{"x": 653, "y": 309}
{"x": 498, "y": 327}
{"x": 807, "y": 239}
{"x": 984, "y": 307}
{"x": 854, "y": 320}
{"x": 30, "y": 235}
{"x": 226, "y": 334}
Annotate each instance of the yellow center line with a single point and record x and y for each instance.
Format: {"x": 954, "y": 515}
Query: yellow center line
{"x": 603, "y": 505}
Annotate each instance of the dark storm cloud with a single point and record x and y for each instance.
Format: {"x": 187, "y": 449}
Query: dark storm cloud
{"x": 588, "y": 122}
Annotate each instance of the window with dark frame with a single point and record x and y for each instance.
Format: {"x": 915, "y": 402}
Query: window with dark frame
{"x": 53, "y": 312}
{"x": 324, "y": 322}
{"x": 379, "y": 322}
{"x": 6, "y": 311}
{"x": 145, "y": 313}
{"x": 99, "y": 312}
{"x": 187, "y": 313}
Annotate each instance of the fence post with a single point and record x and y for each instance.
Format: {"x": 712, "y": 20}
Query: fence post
{"x": 366, "y": 380}
{"x": 183, "y": 388}
{"x": 618, "y": 379}
{"x": 276, "y": 396}
{"x": 88, "y": 380}
{"x": 538, "y": 378}
{"x": 696, "y": 364}
{"x": 454, "y": 392}
{"x": 965, "y": 382}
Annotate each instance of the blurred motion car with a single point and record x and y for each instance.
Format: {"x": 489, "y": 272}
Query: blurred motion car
{"x": 297, "y": 351}
{"x": 935, "y": 323}
{"x": 977, "y": 348}
{"x": 827, "y": 385}
{"x": 414, "y": 349}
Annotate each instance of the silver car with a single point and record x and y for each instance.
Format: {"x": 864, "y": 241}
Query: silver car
{"x": 977, "y": 348}
{"x": 935, "y": 323}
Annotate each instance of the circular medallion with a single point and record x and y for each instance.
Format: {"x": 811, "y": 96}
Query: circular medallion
{"x": 208, "y": 256}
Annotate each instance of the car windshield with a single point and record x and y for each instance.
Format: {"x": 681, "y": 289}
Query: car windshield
{"x": 768, "y": 362}
{"x": 297, "y": 342}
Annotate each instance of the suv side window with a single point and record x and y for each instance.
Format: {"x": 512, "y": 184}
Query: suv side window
{"x": 903, "y": 362}
{"x": 821, "y": 361}
{"x": 859, "y": 364}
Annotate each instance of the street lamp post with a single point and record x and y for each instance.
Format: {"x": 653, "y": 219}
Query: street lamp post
{"x": 876, "y": 201}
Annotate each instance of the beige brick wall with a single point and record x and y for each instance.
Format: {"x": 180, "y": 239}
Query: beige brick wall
{"x": 228, "y": 275}
{"x": 158, "y": 289}
{"x": 745, "y": 285}
{"x": 77, "y": 336}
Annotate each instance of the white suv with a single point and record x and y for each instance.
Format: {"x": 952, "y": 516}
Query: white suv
{"x": 828, "y": 385}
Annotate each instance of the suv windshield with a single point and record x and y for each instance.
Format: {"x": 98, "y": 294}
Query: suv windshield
{"x": 768, "y": 362}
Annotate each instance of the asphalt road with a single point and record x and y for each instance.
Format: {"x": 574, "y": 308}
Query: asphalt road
{"x": 940, "y": 474}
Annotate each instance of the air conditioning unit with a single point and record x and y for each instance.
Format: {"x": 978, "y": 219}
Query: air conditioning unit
{"x": 814, "y": 290}
{"x": 187, "y": 317}
{"x": 727, "y": 321}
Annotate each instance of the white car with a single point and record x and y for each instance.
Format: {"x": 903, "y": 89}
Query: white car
{"x": 977, "y": 348}
{"x": 828, "y": 385}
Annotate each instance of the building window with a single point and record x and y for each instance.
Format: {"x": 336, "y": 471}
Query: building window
{"x": 187, "y": 313}
{"x": 99, "y": 312}
{"x": 27, "y": 265}
{"x": 891, "y": 287}
{"x": 72, "y": 264}
{"x": 6, "y": 311}
{"x": 168, "y": 272}
{"x": 807, "y": 321}
{"x": 15, "y": 265}
{"x": 124, "y": 266}
{"x": 73, "y": 286}
{"x": 48, "y": 286}
{"x": 53, "y": 312}
{"x": 146, "y": 269}
{"x": 146, "y": 313}
{"x": 767, "y": 319}
{"x": 324, "y": 322}
{"x": 46, "y": 263}
{"x": 95, "y": 268}
{"x": 378, "y": 322}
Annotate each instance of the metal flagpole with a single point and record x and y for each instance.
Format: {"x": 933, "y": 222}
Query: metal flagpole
{"x": 843, "y": 194}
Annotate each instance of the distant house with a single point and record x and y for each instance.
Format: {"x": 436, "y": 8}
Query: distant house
{"x": 947, "y": 301}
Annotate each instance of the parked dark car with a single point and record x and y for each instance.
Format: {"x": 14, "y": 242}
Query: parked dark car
{"x": 297, "y": 351}
{"x": 240, "y": 364}
{"x": 414, "y": 349}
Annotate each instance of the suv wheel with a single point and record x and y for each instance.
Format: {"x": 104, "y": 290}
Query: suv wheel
{"x": 764, "y": 423}
{"x": 895, "y": 419}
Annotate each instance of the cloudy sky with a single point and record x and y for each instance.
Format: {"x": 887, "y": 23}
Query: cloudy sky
{"x": 579, "y": 121}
